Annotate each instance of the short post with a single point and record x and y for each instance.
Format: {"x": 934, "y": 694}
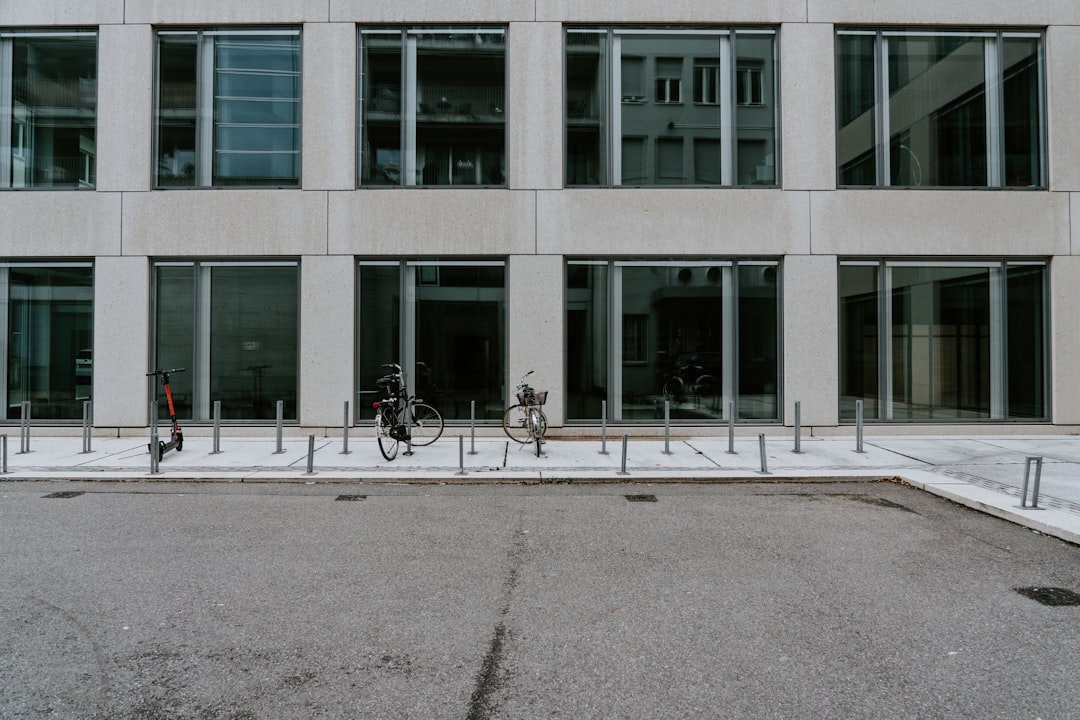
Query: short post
{"x": 798, "y": 427}
{"x": 87, "y": 422}
{"x": 345, "y": 431}
{"x": 153, "y": 416}
{"x": 154, "y": 450}
{"x": 311, "y": 455}
{"x": 408, "y": 428}
{"x": 761, "y": 446}
{"x": 461, "y": 456}
{"x": 24, "y": 427}
{"x": 217, "y": 428}
{"x": 603, "y": 427}
{"x": 1035, "y": 490}
{"x": 3, "y": 453}
{"x": 731, "y": 428}
{"x": 667, "y": 427}
{"x": 858, "y": 425}
{"x": 472, "y": 429}
{"x": 623, "y": 470}
{"x": 280, "y": 421}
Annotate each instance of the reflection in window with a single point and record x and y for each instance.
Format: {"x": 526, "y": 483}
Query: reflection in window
{"x": 48, "y": 109}
{"x": 945, "y": 341}
{"x": 940, "y": 109}
{"x": 234, "y": 327}
{"x": 46, "y": 311}
{"x": 228, "y": 108}
{"x": 713, "y": 95}
{"x": 432, "y": 107}
{"x": 698, "y": 334}
{"x": 444, "y": 322}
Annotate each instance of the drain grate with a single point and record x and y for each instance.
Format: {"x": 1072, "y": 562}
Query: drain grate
{"x": 63, "y": 495}
{"x": 1057, "y": 597}
{"x": 351, "y": 497}
{"x": 640, "y": 498}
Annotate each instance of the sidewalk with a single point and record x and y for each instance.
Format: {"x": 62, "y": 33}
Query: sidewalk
{"x": 984, "y": 473}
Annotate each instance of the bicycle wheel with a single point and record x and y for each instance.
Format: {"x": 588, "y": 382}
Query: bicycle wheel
{"x": 388, "y": 446}
{"x": 673, "y": 389}
{"x": 427, "y": 424}
{"x": 707, "y": 390}
{"x": 537, "y": 427}
{"x": 514, "y": 424}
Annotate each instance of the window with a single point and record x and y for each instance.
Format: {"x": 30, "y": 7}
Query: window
{"x": 48, "y": 109}
{"x": 234, "y": 327}
{"x": 444, "y": 322}
{"x": 958, "y": 340}
{"x": 727, "y": 135}
{"x": 432, "y": 107}
{"x": 228, "y": 108}
{"x": 935, "y": 108}
{"x": 47, "y": 318}
{"x": 703, "y": 335}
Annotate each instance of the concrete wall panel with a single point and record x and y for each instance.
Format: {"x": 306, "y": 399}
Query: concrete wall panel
{"x": 207, "y": 223}
{"x": 939, "y": 222}
{"x": 125, "y": 108}
{"x": 811, "y": 351}
{"x": 1063, "y": 106}
{"x": 536, "y": 329}
{"x": 432, "y": 222}
{"x": 326, "y": 339}
{"x": 808, "y": 107}
{"x": 534, "y": 118}
{"x": 649, "y": 11}
{"x": 1065, "y": 339}
{"x": 667, "y": 222}
{"x": 121, "y": 341}
{"x": 35, "y": 226}
{"x": 15, "y": 13}
{"x": 431, "y": 11}
{"x": 202, "y": 12}
{"x": 329, "y": 110}
{"x": 953, "y": 12}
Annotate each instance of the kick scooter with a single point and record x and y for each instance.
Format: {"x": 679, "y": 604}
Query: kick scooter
{"x": 176, "y": 436}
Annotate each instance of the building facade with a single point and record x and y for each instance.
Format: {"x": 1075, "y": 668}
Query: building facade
{"x": 718, "y": 208}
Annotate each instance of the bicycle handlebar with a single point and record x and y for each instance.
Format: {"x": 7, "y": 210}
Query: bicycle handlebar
{"x": 162, "y": 372}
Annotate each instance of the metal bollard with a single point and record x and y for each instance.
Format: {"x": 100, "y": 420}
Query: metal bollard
{"x": 472, "y": 429}
{"x": 345, "y": 431}
{"x": 154, "y": 452}
{"x": 24, "y": 427}
{"x": 87, "y": 422}
{"x": 3, "y": 452}
{"x": 761, "y": 446}
{"x": 623, "y": 470}
{"x": 311, "y": 455}
{"x": 217, "y": 428}
{"x": 798, "y": 427}
{"x": 603, "y": 427}
{"x": 461, "y": 456}
{"x": 731, "y": 428}
{"x": 667, "y": 427}
{"x": 1035, "y": 490}
{"x": 280, "y": 421}
{"x": 858, "y": 425}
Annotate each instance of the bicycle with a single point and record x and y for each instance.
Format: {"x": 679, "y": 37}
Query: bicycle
{"x": 525, "y": 421}
{"x": 401, "y": 418}
{"x": 176, "y": 436}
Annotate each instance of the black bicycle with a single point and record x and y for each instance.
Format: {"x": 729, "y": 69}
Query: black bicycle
{"x": 400, "y": 418}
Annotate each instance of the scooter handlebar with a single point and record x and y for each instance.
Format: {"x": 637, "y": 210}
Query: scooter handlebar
{"x": 159, "y": 372}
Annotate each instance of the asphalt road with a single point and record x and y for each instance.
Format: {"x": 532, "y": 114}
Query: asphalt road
{"x": 146, "y": 601}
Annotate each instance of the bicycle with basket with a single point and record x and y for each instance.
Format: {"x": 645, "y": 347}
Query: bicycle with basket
{"x": 525, "y": 421}
{"x": 401, "y": 418}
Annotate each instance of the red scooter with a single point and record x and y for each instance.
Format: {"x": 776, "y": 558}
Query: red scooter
{"x": 176, "y": 437}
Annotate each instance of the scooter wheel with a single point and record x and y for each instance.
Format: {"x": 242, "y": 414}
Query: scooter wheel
{"x": 161, "y": 451}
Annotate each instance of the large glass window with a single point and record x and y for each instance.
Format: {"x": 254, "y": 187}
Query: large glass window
{"x": 47, "y": 325}
{"x": 228, "y": 108}
{"x": 234, "y": 327}
{"x": 671, "y": 106}
{"x": 432, "y": 107}
{"x": 444, "y": 322}
{"x": 702, "y": 336}
{"x": 943, "y": 340}
{"x": 48, "y": 109}
{"x": 935, "y": 108}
